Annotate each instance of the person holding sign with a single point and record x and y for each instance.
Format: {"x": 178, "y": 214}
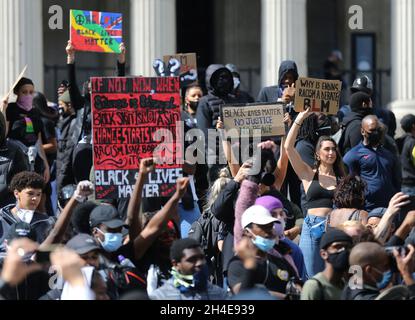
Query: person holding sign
{"x": 319, "y": 186}
{"x": 24, "y": 126}
{"x": 284, "y": 91}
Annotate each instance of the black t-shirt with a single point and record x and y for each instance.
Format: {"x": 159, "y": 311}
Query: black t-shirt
{"x": 274, "y": 273}
{"x": 126, "y": 250}
{"x": 24, "y": 126}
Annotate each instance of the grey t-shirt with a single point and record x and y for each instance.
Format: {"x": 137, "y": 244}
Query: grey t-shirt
{"x": 312, "y": 290}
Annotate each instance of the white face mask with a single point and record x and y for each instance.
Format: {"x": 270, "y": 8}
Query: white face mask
{"x": 25, "y": 215}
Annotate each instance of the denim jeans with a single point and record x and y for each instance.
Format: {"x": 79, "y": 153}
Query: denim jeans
{"x": 310, "y": 243}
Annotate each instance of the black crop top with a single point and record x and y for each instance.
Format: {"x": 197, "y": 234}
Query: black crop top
{"x": 317, "y": 196}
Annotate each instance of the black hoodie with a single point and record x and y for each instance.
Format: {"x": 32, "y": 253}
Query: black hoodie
{"x": 208, "y": 109}
{"x": 272, "y": 93}
{"x": 352, "y": 135}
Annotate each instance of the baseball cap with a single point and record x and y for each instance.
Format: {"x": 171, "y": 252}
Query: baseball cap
{"x": 105, "y": 214}
{"x": 269, "y": 202}
{"x": 20, "y": 230}
{"x": 82, "y": 243}
{"x": 257, "y": 214}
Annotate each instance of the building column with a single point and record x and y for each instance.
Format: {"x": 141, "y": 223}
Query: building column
{"x": 153, "y": 33}
{"x": 283, "y": 37}
{"x": 21, "y": 38}
{"x": 402, "y": 59}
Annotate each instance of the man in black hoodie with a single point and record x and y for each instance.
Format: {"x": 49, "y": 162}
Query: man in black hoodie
{"x": 287, "y": 75}
{"x": 284, "y": 91}
{"x": 219, "y": 82}
{"x": 361, "y": 106}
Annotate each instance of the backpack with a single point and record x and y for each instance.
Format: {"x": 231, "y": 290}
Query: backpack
{"x": 203, "y": 230}
{"x": 338, "y": 137}
{"x": 206, "y": 231}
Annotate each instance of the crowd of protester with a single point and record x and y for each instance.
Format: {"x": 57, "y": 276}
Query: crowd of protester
{"x": 330, "y": 215}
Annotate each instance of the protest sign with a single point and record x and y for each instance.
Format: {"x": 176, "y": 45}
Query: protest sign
{"x": 128, "y": 114}
{"x": 188, "y": 67}
{"x": 20, "y": 76}
{"x": 321, "y": 95}
{"x": 96, "y": 31}
{"x": 269, "y": 118}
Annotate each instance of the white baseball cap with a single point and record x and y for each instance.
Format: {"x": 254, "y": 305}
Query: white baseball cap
{"x": 256, "y": 214}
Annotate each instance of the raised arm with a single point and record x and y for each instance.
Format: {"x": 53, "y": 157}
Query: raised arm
{"x": 83, "y": 190}
{"x": 227, "y": 148}
{"x": 282, "y": 165}
{"x": 77, "y": 100}
{"x": 155, "y": 225}
{"x": 133, "y": 220}
{"x": 121, "y": 61}
{"x": 381, "y": 232}
{"x": 303, "y": 171}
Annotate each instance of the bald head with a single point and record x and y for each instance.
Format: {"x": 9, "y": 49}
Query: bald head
{"x": 370, "y": 122}
{"x": 367, "y": 253}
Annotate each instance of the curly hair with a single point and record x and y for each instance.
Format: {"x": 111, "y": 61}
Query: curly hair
{"x": 309, "y": 128}
{"x": 350, "y": 193}
{"x": 27, "y": 179}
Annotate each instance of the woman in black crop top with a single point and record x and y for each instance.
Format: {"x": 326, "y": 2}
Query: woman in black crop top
{"x": 319, "y": 185}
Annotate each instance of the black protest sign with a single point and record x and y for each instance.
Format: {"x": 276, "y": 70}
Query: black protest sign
{"x": 129, "y": 116}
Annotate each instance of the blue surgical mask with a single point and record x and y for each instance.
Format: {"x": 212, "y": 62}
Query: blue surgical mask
{"x": 112, "y": 241}
{"x": 262, "y": 243}
{"x": 386, "y": 278}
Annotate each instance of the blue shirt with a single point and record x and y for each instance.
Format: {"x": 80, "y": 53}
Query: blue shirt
{"x": 378, "y": 168}
{"x": 298, "y": 258}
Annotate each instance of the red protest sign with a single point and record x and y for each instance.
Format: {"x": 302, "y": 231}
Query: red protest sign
{"x": 135, "y": 118}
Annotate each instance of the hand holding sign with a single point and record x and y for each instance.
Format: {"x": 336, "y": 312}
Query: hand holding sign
{"x": 288, "y": 93}
{"x": 181, "y": 187}
{"x": 269, "y": 144}
{"x": 121, "y": 56}
{"x": 70, "y": 51}
{"x": 4, "y": 104}
{"x": 219, "y": 124}
{"x": 302, "y": 116}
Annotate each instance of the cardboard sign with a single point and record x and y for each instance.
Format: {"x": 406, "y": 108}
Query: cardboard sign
{"x": 20, "y": 76}
{"x": 96, "y": 31}
{"x": 321, "y": 95}
{"x": 269, "y": 118}
{"x": 128, "y": 113}
{"x": 188, "y": 68}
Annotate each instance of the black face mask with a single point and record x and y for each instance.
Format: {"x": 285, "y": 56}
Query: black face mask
{"x": 339, "y": 260}
{"x": 374, "y": 137}
{"x": 193, "y": 105}
{"x": 366, "y": 111}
